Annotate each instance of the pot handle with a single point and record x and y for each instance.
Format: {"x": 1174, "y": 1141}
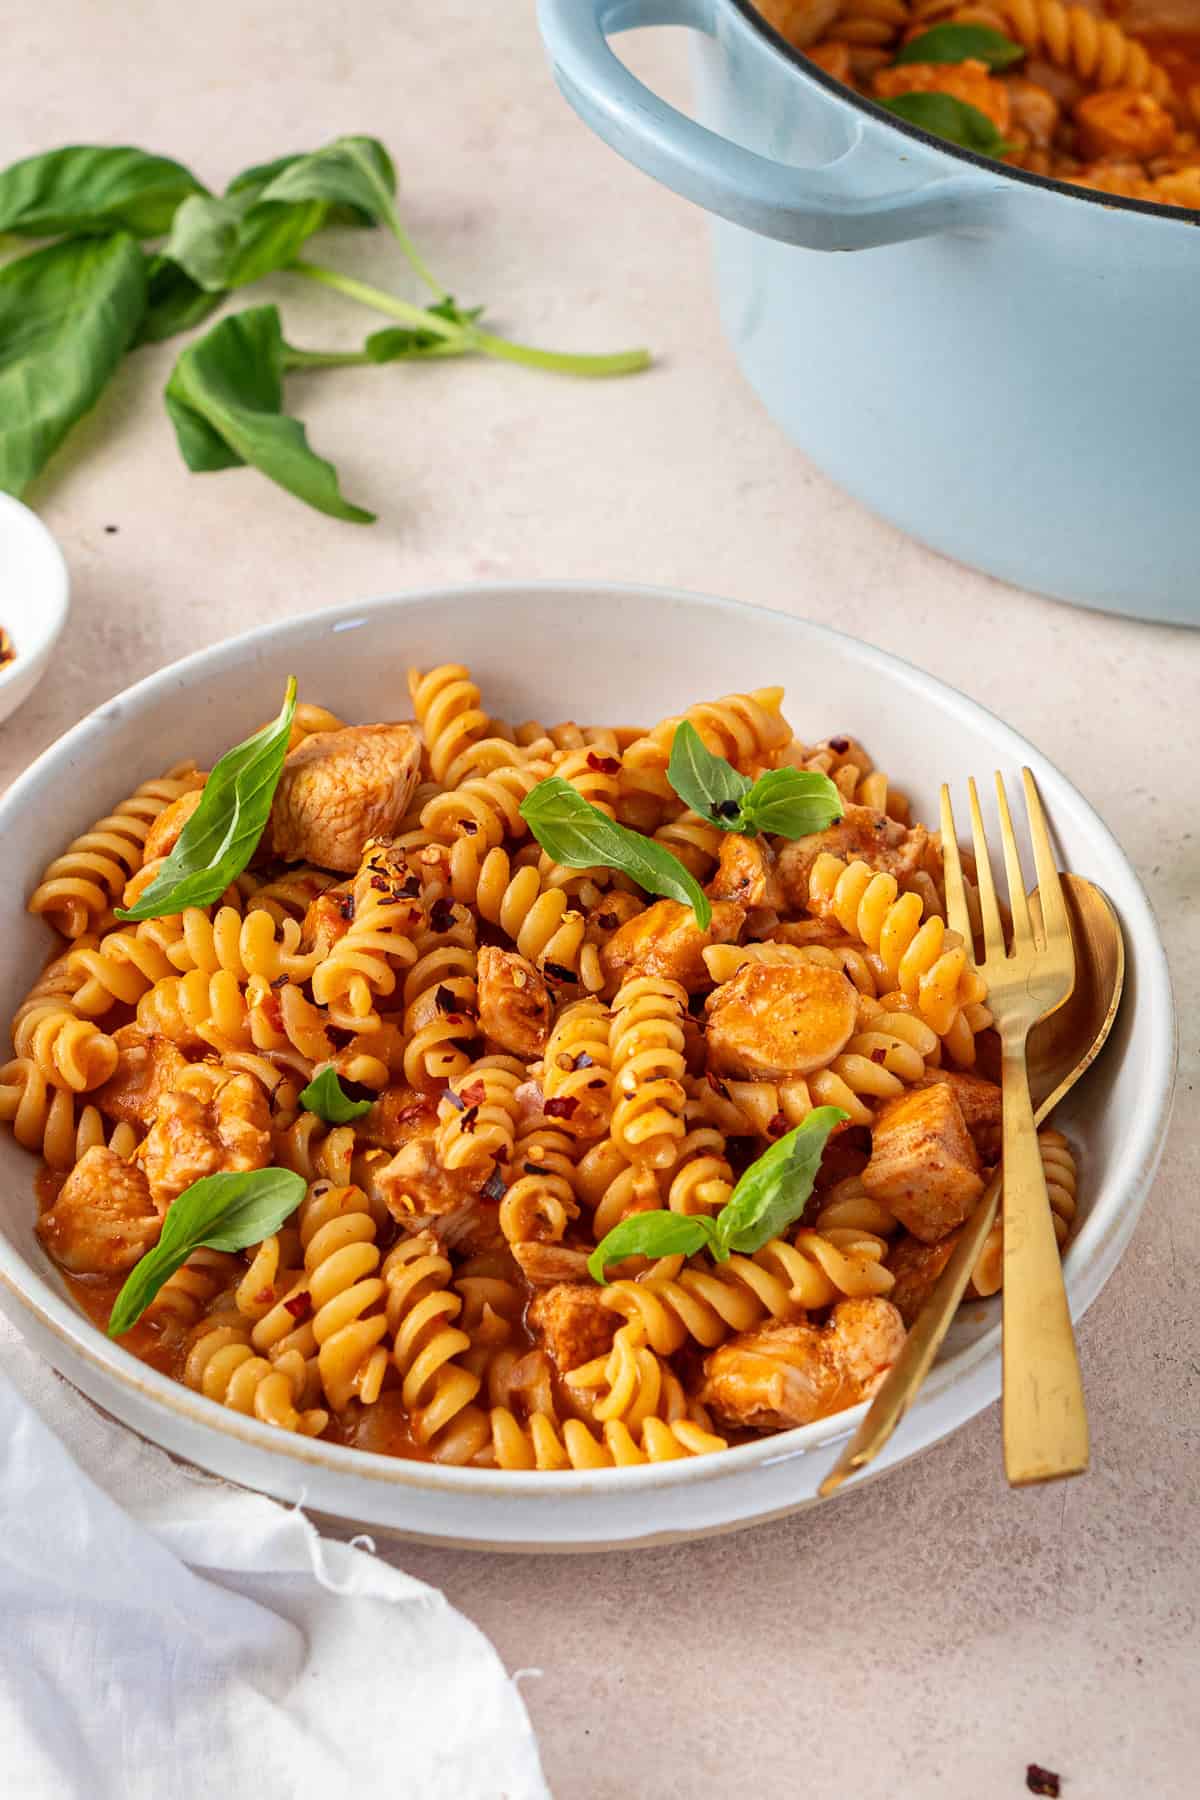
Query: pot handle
{"x": 815, "y": 207}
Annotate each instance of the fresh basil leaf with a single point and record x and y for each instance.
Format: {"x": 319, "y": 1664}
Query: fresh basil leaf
{"x": 354, "y": 173}
{"x": 945, "y": 117}
{"x": 577, "y": 834}
{"x": 174, "y": 303}
{"x": 67, "y": 314}
{"x": 93, "y": 188}
{"x": 225, "y": 242}
{"x": 774, "y": 1191}
{"x": 651, "y": 1234}
{"x": 955, "y": 43}
{"x": 792, "y": 803}
{"x": 222, "y": 834}
{"x": 225, "y": 398}
{"x": 709, "y": 784}
{"x": 326, "y": 1097}
{"x": 221, "y": 1212}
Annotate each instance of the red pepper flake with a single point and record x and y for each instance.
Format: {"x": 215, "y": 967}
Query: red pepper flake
{"x": 456, "y": 1103}
{"x": 468, "y": 827}
{"x": 494, "y": 1187}
{"x": 345, "y": 905}
{"x": 583, "y": 1061}
{"x": 561, "y": 1108}
{"x": 1042, "y": 1781}
{"x": 556, "y": 972}
{"x": 280, "y": 981}
{"x": 474, "y": 1093}
{"x": 300, "y": 1305}
{"x": 534, "y": 1169}
{"x": 264, "y": 1297}
{"x": 467, "y": 1123}
{"x": 608, "y": 921}
{"x": 777, "y": 1126}
{"x": 446, "y": 999}
{"x": 599, "y": 1083}
{"x": 603, "y": 765}
{"x": 380, "y": 882}
{"x": 840, "y": 745}
{"x": 717, "y": 1085}
{"x": 879, "y": 1055}
{"x": 410, "y": 888}
{"x": 417, "y": 1109}
{"x": 441, "y": 914}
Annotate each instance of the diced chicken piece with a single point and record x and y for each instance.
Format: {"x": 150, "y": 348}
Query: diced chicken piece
{"x": 787, "y": 1375}
{"x": 514, "y": 1002}
{"x": 746, "y": 873}
{"x": 104, "y": 1219}
{"x": 422, "y": 1195}
{"x": 777, "y": 1020}
{"x": 666, "y": 940}
{"x": 801, "y": 22}
{"x": 968, "y": 80}
{"x": 573, "y": 1323}
{"x": 400, "y": 1114}
{"x": 862, "y": 833}
{"x": 916, "y": 1267}
{"x": 1034, "y": 111}
{"x": 1121, "y": 123}
{"x": 924, "y": 1166}
{"x": 147, "y": 1066}
{"x": 328, "y": 918}
{"x": 544, "y": 1264}
{"x": 834, "y": 58}
{"x": 205, "y": 1127}
{"x": 339, "y": 789}
{"x": 163, "y": 835}
{"x": 981, "y": 1105}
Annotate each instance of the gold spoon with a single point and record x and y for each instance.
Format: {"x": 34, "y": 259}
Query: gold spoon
{"x": 1062, "y": 1047}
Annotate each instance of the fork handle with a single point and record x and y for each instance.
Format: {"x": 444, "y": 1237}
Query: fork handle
{"x": 1045, "y": 1419}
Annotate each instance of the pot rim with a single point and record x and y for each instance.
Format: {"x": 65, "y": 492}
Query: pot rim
{"x": 988, "y": 165}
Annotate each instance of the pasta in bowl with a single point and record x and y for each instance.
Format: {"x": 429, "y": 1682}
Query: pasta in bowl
{"x": 476, "y": 1057}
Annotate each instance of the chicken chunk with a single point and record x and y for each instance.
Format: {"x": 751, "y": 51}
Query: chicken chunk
{"x": 1034, "y": 110}
{"x": 746, "y": 873}
{"x": 147, "y": 1066}
{"x": 1123, "y": 124}
{"x": 209, "y": 1123}
{"x": 163, "y": 835}
{"x": 862, "y": 833}
{"x": 968, "y": 80}
{"x": 666, "y": 940}
{"x": 341, "y": 788}
{"x": 916, "y": 1267}
{"x": 573, "y": 1323}
{"x": 981, "y": 1105}
{"x": 104, "y": 1220}
{"x": 422, "y": 1195}
{"x": 514, "y": 1002}
{"x": 773, "y": 1020}
{"x": 786, "y": 1375}
{"x": 398, "y": 1115}
{"x": 924, "y": 1166}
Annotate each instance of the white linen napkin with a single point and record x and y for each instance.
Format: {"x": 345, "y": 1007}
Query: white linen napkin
{"x": 165, "y": 1634}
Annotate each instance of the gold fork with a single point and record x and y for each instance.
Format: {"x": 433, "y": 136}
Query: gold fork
{"x": 1044, "y": 1418}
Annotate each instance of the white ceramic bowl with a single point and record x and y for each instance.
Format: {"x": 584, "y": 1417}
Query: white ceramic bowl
{"x": 33, "y": 600}
{"x": 593, "y": 653}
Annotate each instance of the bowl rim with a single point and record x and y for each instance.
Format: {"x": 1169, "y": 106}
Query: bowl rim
{"x": 987, "y": 165}
{"x": 42, "y": 618}
{"x": 57, "y": 1315}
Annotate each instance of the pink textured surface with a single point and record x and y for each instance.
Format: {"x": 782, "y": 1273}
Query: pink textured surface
{"x": 934, "y": 1634}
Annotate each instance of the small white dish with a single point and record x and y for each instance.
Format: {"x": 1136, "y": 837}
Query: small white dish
{"x": 593, "y": 652}
{"x": 34, "y": 591}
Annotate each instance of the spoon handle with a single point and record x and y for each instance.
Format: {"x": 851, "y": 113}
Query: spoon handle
{"x": 908, "y": 1372}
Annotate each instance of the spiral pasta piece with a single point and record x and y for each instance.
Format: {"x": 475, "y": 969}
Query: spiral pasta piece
{"x": 629, "y": 1384}
{"x": 647, "y": 1048}
{"x": 613, "y": 1187}
{"x": 847, "y": 1206}
{"x": 497, "y": 1439}
{"x": 478, "y": 1113}
{"x": 120, "y": 969}
{"x": 197, "y": 1010}
{"x": 426, "y": 1342}
{"x": 244, "y": 944}
{"x": 577, "y": 1070}
{"x": 539, "y": 919}
{"x": 1094, "y": 47}
{"x": 693, "y": 840}
{"x": 440, "y": 1015}
{"x": 92, "y": 1131}
{"x": 222, "y": 1366}
{"x": 192, "y": 1289}
{"x": 1058, "y": 1165}
{"x": 743, "y": 728}
{"x": 462, "y": 740}
{"x": 78, "y": 889}
{"x": 701, "y": 1179}
{"x": 322, "y": 1152}
{"x": 70, "y": 1052}
{"x": 539, "y": 1202}
{"x": 929, "y": 964}
{"x": 361, "y": 967}
{"x": 877, "y": 1064}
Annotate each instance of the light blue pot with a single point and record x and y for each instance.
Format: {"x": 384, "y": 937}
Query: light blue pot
{"x": 1013, "y": 375}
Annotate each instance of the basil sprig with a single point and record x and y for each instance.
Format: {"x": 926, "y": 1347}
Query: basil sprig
{"x": 770, "y": 1196}
{"x": 93, "y": 188}
{"x": 958, "y": 43}
{"x": 326, "y": 1097}
{"x": 222, "y": 834}
{"x": 787, "y": 803}
{"x": 577, "y": 834}
{"x": 220, "y": 1212}
{"x": 944, "y": 116}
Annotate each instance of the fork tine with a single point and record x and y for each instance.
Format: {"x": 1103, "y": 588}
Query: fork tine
{"x": 957, "y": 916}
{"x": 1018, "y": 905}
{"x": 993, "y": 930}
{"x": 1055, "y": 923}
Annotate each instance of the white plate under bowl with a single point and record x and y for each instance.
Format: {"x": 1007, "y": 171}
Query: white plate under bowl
{"x": 594, "y": 653}
{"x": 33, "y": 600}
